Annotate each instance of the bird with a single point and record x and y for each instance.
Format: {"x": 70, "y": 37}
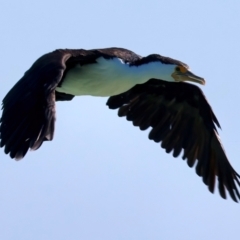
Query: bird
{"x": 153, "y": 92}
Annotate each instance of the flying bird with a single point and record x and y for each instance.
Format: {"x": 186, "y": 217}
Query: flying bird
{"x": 151, "y": 92}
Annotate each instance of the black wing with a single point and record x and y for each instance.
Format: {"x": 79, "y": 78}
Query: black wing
{"x": 28, "y": 116}
{"x": 181, "y": 119}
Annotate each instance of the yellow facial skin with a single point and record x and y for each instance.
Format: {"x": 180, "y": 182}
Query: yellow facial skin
{"x": 182, "y": 74}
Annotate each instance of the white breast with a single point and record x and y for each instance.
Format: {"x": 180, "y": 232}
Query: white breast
{"x": 107, "y": 77}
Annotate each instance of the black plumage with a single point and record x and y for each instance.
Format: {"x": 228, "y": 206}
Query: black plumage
{"x": 182, "y": 120}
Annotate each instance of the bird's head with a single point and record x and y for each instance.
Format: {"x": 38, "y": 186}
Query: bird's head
{"x": 181, "y": 73}
{"x": 170, "y": 69}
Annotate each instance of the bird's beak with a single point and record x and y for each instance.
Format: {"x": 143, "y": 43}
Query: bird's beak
{"x": 187, "y": 76}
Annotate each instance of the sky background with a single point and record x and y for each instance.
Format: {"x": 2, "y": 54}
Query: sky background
{"x": 101, "y": 178}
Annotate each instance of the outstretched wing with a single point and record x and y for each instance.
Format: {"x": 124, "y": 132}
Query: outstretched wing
{"x": 28, "y": 116}
{"x": 182, "y": 120}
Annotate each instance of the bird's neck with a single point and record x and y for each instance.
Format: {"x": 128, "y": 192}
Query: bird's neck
{"x": 149, "y": 70}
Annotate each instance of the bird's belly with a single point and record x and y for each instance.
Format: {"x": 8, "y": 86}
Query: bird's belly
{"x": 98, "y": 79}
{"x": 95, "y": 86}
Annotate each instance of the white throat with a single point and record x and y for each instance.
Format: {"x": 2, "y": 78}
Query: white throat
{"x": 110, "y": 77}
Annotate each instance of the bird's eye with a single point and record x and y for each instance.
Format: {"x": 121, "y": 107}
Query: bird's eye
{"x": 177, "y": 69}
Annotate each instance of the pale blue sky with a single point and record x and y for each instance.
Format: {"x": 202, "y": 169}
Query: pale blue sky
{"x": 101, "y": 178}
